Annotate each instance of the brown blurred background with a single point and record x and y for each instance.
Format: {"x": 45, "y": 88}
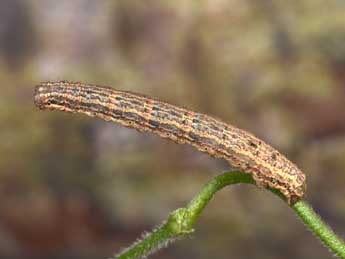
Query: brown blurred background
{"x": 76, "y": 187}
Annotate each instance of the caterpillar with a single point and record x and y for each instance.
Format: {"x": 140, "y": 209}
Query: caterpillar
{"x": 241, "y": 149}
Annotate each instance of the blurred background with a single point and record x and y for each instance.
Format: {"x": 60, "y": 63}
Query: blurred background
{"x": 76, "y": 187}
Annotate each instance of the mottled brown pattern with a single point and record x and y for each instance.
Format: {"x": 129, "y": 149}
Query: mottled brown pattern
{"x": 241, "y": 149}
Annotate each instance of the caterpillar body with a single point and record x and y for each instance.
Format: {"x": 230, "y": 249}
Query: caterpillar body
{"x": 239, "y": 148}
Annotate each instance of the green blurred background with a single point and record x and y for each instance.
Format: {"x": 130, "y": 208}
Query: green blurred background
{"x": 76, "y": 187}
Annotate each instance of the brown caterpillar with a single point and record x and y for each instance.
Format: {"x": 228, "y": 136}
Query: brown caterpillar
{"x": 241, "y": 149}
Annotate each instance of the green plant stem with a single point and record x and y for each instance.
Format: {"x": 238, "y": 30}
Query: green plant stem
{"x": 319, "y": 228}
{"x": 180, "y": 222}
{"x": 196, "y": 206}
